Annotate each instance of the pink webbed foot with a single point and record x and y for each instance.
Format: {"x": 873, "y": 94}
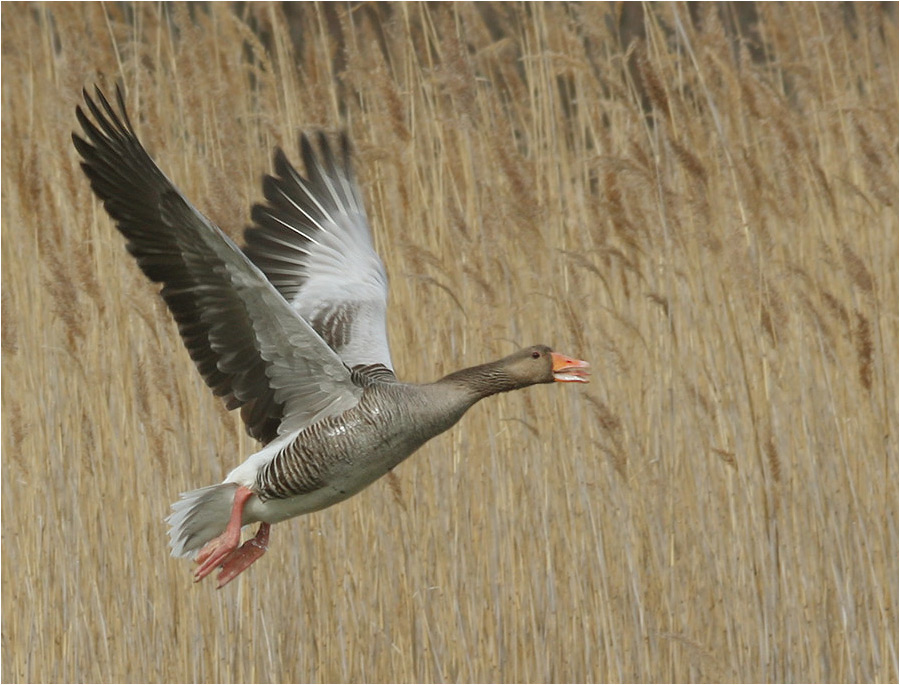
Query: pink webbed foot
{"x": 217, "y": 550}
{"x": 241, "y": 558}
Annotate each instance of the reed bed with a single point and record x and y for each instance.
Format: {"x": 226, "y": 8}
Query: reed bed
{"x": 701, "y": 200}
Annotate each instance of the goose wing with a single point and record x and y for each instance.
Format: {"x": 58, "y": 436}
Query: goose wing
{"x": 249, "y": 344}
{"x": 312, "y": 240}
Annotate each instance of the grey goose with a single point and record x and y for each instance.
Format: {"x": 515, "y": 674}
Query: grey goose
{"x": 291, "y": 330}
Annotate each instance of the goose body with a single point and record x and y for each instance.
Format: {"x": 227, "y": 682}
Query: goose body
{"x": 291, "y": 329}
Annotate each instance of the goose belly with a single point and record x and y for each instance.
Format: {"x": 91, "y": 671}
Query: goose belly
{"x": 332, "y": 461}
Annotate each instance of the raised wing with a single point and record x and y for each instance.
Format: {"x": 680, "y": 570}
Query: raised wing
{"x": 249, "y": 345}
{"x": 313, "y": 242}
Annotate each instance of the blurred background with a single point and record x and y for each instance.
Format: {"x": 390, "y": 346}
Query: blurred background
{"x": 699, "y": 199}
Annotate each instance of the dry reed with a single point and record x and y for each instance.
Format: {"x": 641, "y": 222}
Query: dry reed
{"x": 700, "y": 199}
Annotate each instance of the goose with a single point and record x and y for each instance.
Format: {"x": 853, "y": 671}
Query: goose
{"x": 290, "y": 329}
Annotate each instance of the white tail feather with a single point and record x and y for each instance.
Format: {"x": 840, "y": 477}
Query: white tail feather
{"x": 198, "y": 517}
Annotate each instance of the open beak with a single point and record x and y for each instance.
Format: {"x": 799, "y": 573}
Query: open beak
{"x": 568, "y": 370}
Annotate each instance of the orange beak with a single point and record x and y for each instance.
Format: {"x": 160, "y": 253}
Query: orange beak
{"x": 568, "y": 370}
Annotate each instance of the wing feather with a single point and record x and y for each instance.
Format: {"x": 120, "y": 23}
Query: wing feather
{"x": 249, "y": 344}
{"x": 312, "y": 240}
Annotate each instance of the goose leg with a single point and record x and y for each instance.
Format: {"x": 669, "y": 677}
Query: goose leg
{"x": 216, "y": 550}
{"x": 238, "y": 561}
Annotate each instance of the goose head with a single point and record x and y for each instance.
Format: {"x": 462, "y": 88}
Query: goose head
{"x": 540, "y": 364}
{"x": 530, "y": 366}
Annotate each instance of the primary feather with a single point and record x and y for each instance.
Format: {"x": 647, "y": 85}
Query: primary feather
{"x": 291, "y": 330}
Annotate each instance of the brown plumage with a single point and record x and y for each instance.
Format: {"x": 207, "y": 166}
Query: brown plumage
{"x": 291, "y": 330}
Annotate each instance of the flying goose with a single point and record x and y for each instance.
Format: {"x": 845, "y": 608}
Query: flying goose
{"x": 291, "y": 329}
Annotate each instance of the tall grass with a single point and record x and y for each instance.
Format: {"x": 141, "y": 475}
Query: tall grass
{"x": 701, "y": 200}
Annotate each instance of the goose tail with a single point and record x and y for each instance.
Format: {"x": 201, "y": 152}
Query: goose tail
{"x": 198, "y": 517}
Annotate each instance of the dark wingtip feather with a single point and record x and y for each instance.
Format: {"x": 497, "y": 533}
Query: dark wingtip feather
{"x": 120, "y": 100}
{"x": 155, "y": 221}
{"x": 324, "y": 146}
{"x": 282, "y": 166}
{"x": 346, "y": 153}
{"x": 81, "y": 145}
{"x": 306, "y": 152}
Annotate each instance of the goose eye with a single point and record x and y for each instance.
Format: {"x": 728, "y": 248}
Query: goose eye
{"x": 535, "y": 355}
